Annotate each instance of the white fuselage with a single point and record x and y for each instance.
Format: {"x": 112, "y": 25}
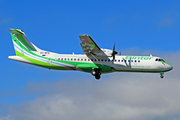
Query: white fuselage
{"x": 121, "y": 63}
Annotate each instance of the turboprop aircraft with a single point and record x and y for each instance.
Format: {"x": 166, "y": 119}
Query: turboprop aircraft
{"x": 96, "y": 60}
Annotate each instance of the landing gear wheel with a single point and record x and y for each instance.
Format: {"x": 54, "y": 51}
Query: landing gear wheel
{"x": 162, "y": 76}
{"x": 97, "y": 77}
{"x": 96, "y": 73}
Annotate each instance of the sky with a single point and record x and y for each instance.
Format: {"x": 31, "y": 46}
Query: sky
{"x": 137, "y": 27}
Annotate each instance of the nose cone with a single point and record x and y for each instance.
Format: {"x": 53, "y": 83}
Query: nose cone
{"x": 170, "y": 67}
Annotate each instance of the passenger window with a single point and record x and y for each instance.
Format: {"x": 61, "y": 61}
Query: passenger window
{"x": 138, "y": 60}
{"x": 91, "y": 59}
{"x": 131, "y": 60}
{"x": 88, "y": 59}
{"x": 84, "y": 59}
{"x": 81, "y": 59}
{"x": 102, "y": 60}
{"x": 118, "y": 60}
{"x": 71, "y": 59}
{"x": 68, "y": 59}
{"x": 78, "y": 59}
{"x": 135, "y": 61}
{"x": 128, "y": 60}
{"x": 98, "y": 59}
{"x": 105, "y": 60}
{"x": 115, "y": 60}
{"x": 121, "y": 60}
{"x": 64, "y": 58}
{"x": 94, "y": 59}
{"x": 74, "y": 59}
{"x": 61, "y": 58}
{"x": 124, "y": 60}
{"x": 156, "y": 59}
{"x": 108, "y": 60}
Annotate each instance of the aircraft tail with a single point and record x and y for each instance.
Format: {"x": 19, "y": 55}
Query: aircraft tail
{"x": 21, "y": 43}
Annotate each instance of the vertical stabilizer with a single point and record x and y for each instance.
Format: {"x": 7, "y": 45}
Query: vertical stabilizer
{"x": 20, "y": 41}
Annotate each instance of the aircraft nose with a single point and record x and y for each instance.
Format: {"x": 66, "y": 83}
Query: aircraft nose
{"x": 170, "y": 67}
{"x": 167, "y": 66}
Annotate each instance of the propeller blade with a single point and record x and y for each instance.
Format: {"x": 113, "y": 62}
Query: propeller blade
{"x": 114, "y": 52}
{"x": 114, "y": 47}
{"x": 113, "y": 59}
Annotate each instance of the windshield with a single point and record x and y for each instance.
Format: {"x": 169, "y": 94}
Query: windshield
{"x": 162, "y": 60}
{"x": 157, "y": 59}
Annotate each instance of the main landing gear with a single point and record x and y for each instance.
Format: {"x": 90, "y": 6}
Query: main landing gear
{"x": 96, "y": 73}
{"x": 161, "y": 74}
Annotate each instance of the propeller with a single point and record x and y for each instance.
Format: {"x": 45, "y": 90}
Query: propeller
{"x": 114, "y": 52}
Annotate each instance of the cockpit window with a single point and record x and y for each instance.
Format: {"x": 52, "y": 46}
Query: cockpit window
{"x": 159, "y": 60}
{"x": 162, "y": 60}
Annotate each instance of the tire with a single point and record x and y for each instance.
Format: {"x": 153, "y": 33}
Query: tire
{"x": 97, "y": 77}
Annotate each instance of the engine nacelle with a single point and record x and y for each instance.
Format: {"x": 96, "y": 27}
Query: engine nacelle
{"x": 104, "y": 52}
{"x": 107, "y": 52}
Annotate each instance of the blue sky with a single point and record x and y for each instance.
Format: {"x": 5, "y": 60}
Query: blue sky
{"x": 137, "y": 26}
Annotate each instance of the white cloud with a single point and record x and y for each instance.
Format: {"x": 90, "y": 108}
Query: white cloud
{"x": 122, "y": 96}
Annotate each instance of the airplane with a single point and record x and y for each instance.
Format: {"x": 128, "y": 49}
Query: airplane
{"x": 96, "y": 60}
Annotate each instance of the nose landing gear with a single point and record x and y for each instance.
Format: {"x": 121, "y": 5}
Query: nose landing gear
{"x": 96, "y": 73}
{"x": 162, "y": 74}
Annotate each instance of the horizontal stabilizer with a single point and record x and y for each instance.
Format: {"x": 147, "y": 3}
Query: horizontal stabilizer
{"x": 20, "y": 59}
{"x": 16, "y": 31}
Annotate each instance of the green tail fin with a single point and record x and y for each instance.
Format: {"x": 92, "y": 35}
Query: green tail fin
{"x": 21, "y": 37}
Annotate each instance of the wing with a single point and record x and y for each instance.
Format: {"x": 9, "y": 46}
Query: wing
{"x": 88, "y": 45}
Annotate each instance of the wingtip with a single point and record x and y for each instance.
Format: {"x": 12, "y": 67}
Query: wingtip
{"x": 84, "y": 35}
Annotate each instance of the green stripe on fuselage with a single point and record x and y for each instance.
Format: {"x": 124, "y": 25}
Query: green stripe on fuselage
{"x": 41, "y": 63}
{"x": 165, "y": 63}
